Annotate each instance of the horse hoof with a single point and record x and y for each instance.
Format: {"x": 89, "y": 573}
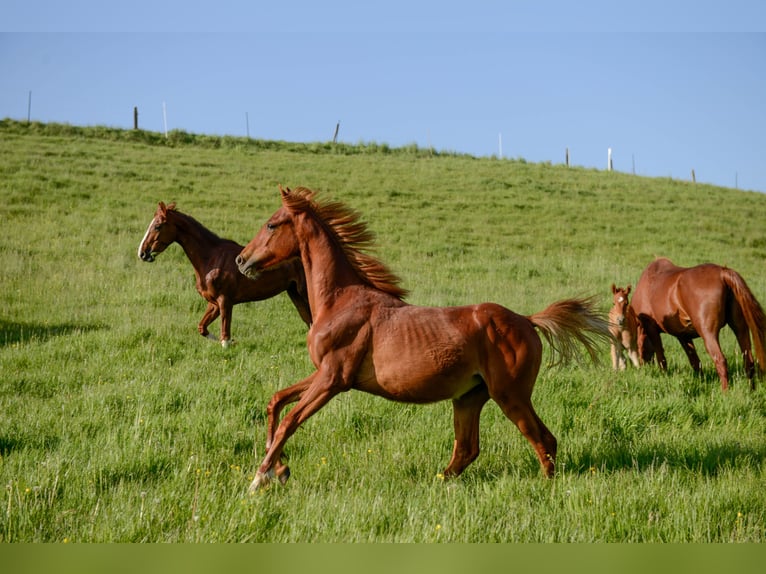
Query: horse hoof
{"x": 226, "y": 343}
{"x": 261, "y": 480}
{"x": 284, "y": 475}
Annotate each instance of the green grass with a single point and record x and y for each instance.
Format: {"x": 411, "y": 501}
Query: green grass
{"x": 120, "y": 423}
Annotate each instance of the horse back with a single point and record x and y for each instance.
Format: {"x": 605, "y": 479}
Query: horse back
{"x": 427, "y": 354}
{"x": 680, "y": 300}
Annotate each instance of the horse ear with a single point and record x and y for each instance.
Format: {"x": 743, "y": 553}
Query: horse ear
{"x": 172, "y": 206}
{"x": 627, "y": 291}
{"x": 162, "y": 207}
{"x": 614, "y": 288}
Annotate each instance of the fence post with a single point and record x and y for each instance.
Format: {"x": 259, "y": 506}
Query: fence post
{"x": 135, "y": 118}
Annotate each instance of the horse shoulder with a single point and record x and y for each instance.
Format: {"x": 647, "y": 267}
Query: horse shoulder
{"x": 339, "y": 339}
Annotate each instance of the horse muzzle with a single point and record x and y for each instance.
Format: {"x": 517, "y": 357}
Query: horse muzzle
{"x": 146, "y": 256}
{"x": 246, "y": 266}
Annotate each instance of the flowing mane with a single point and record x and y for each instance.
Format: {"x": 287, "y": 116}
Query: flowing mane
{"x": 352, "y": 235}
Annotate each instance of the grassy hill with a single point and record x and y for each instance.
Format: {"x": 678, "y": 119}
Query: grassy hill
{"x": 120, "y": 423}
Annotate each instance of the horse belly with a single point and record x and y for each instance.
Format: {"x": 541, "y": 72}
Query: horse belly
{"x": 422, "y": 356}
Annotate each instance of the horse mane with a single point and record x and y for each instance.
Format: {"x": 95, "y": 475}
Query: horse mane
{"x": 352, "y": 235}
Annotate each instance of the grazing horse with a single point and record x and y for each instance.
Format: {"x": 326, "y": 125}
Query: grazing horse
{"x": 218, "y": 280}
{"x": 366, "y": 337}
{"x": 623, "y": 325}
{"x": 697, "y": 302}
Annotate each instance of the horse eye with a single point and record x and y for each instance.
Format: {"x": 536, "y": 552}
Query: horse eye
{"x": 271, "y": 226}
{"x": 157, "y": 227}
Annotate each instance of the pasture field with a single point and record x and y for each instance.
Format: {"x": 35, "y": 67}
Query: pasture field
{"x": 119, "y": 423}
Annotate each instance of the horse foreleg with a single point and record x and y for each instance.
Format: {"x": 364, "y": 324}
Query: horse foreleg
{"x": 688, "y": 346}
{"x": 313, "y": 398}
{"x": 618, "y": 361}
{"x": 650, "y": 344}
{"x": 225, "y": 310}
{"x": 713, "y": 348}
{"x": 211, "y": 314}
{"x": 466, "y": 414}
{"x": 278, "y": 401}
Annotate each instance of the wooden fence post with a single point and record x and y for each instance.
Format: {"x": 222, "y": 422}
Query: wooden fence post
{"x": 135, "y": 118}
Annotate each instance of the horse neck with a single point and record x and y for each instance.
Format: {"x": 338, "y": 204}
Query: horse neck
{"x": 328, "y": 270}
{"x": 195, "y": 239}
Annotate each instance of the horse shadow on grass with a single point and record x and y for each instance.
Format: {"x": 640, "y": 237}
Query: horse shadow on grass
{"x": 14, "y": 333}
{"x": 710, "y": 460}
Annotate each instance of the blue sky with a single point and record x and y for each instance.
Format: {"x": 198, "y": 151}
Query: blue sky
{"x": 668, "y": 86}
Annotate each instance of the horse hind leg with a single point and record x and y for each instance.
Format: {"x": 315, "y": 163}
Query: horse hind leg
{"x": 742, "y": 332}
{"x": 713, "y": 348}
{"x": 466, "y": 414}
{"x": 534, "y": 430}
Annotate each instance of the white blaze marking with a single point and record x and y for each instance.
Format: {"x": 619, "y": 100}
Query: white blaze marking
{"x": 148, "y": 229}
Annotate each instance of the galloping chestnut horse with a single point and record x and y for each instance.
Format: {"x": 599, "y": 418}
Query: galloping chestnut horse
{"x": 698, "y": 302}
{"x": 366, "y": 337}
{"x": 623, "y": 325}
{"x": 218, "y": 280}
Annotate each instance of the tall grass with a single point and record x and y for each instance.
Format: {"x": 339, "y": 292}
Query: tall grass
{"x": 120, "y": 423}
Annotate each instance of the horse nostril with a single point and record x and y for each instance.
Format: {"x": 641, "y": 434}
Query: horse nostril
{"x": 239, "y": 260}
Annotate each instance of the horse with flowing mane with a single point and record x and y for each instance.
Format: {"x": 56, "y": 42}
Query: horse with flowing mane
{"x": 218, "y": 279}
{"x": 691, "y": 302}
{"x": 623, "y": 325}
{"x": 366, "y": 337}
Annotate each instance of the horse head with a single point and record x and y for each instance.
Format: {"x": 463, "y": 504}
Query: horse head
{"x": 275, "y": 242}
{"x": 619, "y": 304}
{"x": 159, "y": 234}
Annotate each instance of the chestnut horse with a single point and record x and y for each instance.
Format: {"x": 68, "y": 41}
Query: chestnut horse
{"x": 698, "y": 302}
{"x": 218, "y": 280}
{"x": 623, "y": 325}
{"x": 366, "y": 337}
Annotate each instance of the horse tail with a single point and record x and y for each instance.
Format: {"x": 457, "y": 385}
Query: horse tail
{"x": 570, "y": 323}
{"x": 751, "y": 309}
